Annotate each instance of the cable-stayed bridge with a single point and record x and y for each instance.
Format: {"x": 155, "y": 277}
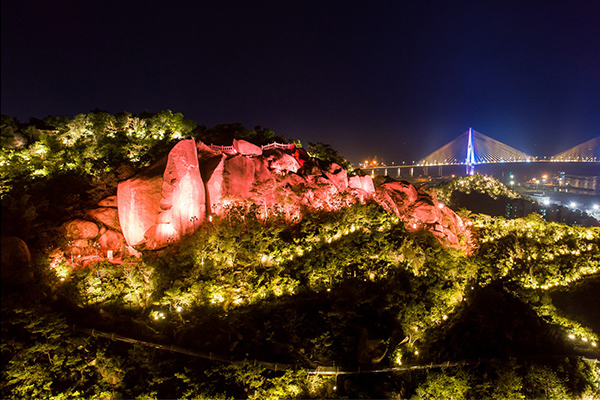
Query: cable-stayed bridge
{"x": 474, "y": 148}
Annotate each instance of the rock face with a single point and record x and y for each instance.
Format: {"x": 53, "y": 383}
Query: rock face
{"x": 106, "y": 215}
{"x": 138, "y": 199}
{"x": 174, "y": 197}
{"x": 421, "y": 211}
{"x": 80, "y": 229}
{"x": 163, "y": 204}
{"x": 110, "y": 201}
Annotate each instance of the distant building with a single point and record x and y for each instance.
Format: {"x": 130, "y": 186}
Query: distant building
{"x": 519, "y": 208}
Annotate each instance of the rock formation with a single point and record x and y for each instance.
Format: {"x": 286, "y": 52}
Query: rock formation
{"x": 177, "y": 194}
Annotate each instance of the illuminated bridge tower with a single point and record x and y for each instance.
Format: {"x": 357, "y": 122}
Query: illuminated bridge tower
{"x": 470, "y": 162}
{"x": 481, "y": 149}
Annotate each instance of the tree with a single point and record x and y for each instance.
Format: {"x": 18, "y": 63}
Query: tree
{"x": 328, "y": 154}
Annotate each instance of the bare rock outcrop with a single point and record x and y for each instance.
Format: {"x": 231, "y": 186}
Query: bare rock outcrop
{"x": 164, "y": 203}
{"x": 281, "y": 162}
{"x": 173, "y": 197}
{"x": 246, "y": 148}
{"x": 80, "y": 229}
{"x": 111, "y": 240}
{"x": 106, "y": 215}
{"x": 419, "y": 210}
{"x": 110, "y": 201}
{"x": 139, "y": 202}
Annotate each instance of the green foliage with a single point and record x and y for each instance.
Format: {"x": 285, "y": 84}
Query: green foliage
{"x": 328, "y": 154}
{"x": 440, "y": 385}
{"x": 42, "y": 357}
{"x": 536, "y": 254}
{"x": 474, "y": 184}
{"x": 89, "y": 144}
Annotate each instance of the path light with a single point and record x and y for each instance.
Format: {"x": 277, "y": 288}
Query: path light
{"x": 571, "y": 336}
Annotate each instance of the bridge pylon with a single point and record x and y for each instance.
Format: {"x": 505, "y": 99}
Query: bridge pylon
{"x": 480, "y": 149}
{"x": 470, "y": 160}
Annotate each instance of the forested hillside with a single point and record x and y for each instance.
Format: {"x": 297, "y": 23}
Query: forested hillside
{"x": 345, "y": 304}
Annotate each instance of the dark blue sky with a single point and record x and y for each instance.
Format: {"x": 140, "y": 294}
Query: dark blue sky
{"x": 396, "y": 79}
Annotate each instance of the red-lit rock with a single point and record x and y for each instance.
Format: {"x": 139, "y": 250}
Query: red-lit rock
{"x": 246, "y": 148}
{"x": 80, "y": 229}
{"x": 422, "y": 211}
{"x": 281, "y": 162}
{"x": 425, "y": 211}
{"x": 406, "y": 191}
{"x": 171, "y": 199}
{"x": 261, "y": 170}
{"x": 238, "y": 176}
{"x": 205, "y": 152}
{"x": 165, "y": 202}
{"x": 338, "y": 176}
{"x": 110, "y": 201}
{"x": 106, "y": 215}
{"x": 139, "y": 202}
{"x": 212, "y": 174}
{"x": 183, "y": 198}
{"x": 111, "y": 240}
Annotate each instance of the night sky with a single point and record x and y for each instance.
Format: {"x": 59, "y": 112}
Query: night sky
{"x": 396, "y": 79}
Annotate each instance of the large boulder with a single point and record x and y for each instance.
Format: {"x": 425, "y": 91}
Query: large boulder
{"x": 246, "y": 148}
{"x": 212, "y": 175}
{"x": 139, "y": 202}
{"x": 261, "y": 170}
{"x": 282, "y": 162}
{"x": 15, "y": 261}
{"x": 111, "y": 240}
{"x": 106, "y": 215}
{"x": 238, "y": 175}
{"x": 425, "y": 211}
{"x": 110, "y": 201}
{"x": 205, "y": 152}
{"x": 80, "y": 229}
{"x": 164, "y": 203}
{"x": 338, "y": 176}
{"x": 183, "y": 198}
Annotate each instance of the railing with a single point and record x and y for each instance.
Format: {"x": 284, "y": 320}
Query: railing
{"x": 224, "y": 149}
{"x": 231, "y": 150}
{"x": 275, "y": 145}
